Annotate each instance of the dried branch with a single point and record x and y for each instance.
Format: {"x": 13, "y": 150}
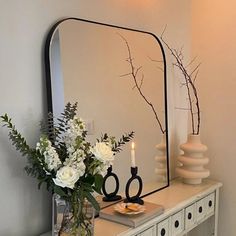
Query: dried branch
{"x": 158, "y": 61}
{"x": 125, "y": 75}
{"x": 134, "y": 74}
{"x": 191, "y": 62}
{"x": 195, "y": 69}
{"x": 189, "y": 82}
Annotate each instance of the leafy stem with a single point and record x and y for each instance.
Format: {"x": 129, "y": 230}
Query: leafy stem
{"x": 116, "y": 145}
{"x": 35, "y": 164}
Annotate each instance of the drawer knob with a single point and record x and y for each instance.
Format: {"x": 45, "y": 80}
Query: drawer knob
{"x": 163, "y": 232}
{"x": 176, "y": 224}
{"x": 189, "y": 215}
{"x": 210, "y": 203}
{"x": 200, "y": 209}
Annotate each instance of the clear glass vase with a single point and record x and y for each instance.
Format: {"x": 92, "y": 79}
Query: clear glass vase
{"x": 65, "y": 223}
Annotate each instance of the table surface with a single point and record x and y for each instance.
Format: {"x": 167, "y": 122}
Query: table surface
{"x": 173, "y": 197}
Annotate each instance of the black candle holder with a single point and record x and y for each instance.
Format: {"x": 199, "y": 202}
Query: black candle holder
{"x": 110, "y": 197}
{"x": 136, "y": 198}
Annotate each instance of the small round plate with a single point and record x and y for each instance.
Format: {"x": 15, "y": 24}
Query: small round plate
{"x": 129, "y": 208}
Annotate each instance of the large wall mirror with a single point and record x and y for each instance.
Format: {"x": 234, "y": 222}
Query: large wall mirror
{"x": 118, "y": 77}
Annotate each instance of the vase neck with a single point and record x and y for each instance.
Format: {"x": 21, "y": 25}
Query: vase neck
{"x": 194, "y": 138}
{"x": 163, "y": 138}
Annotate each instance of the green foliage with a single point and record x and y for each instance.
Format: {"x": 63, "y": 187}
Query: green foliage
{"x": 58, "y": 190}
{"x": 98, "y": 180}
{"x": 116, "y": 145}
{"x": 35, "y": 165}
{"x": 17, "y": 139}
{"x": 93, "y": 201}
{"x": 55, "y": 127}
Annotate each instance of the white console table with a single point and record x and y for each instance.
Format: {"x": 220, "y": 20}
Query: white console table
{"x": 186, "y": 206}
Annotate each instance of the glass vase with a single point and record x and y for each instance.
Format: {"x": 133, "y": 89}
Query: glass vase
{"x": 65, "y": 223}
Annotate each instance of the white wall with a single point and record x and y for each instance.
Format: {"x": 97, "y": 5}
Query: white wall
{"x": 25, "y": 211}
{"x": 214, "y": 41}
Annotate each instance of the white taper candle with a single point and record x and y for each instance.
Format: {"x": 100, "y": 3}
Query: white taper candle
{"x": 133, "y": 155}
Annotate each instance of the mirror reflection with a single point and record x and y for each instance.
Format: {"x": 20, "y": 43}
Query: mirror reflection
{"x": 117, "y": 76}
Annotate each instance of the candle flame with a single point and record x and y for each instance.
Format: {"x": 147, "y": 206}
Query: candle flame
{"x": 132, "y": 145}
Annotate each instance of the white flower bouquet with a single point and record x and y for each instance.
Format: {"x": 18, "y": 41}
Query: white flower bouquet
{"x": 63, "y": 159}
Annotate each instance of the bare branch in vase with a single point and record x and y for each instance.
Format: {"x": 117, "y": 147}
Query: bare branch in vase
{"x": 189, "y": 82}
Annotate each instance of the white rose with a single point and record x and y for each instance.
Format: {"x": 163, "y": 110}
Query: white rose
{"x": 103, "y": 152}
{"x": 66, "y": 177}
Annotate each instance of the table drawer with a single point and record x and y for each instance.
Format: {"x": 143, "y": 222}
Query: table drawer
{"x": 190, "y": 216}
{"x": 149, "y": 232}
{"x": 201, "y": 209}
{"x": 163, "y": 228}
{"x": 177, "y": 223}
{"x": 210, "y": 203}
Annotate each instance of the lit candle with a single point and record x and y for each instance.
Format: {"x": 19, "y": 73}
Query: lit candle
{"x": 132, "y": 155}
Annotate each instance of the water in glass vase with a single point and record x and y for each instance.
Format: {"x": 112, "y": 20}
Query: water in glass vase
{"x": 76, "y": 220}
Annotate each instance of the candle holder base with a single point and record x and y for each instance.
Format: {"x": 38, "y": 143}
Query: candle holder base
{"x": 112, "y": 198}
{"x": 134, "y": 200}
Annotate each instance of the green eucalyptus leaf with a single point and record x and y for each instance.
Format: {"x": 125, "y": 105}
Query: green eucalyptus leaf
{"x": 92, "y": 200}
{"x": 87, "y": 187}
{"x": 39, "y": 184}
{"x": 98, "y": 183}
{"x": 59, "y": 191}
{"x": 89, "y": 179}
{"x": 41, "y": 180}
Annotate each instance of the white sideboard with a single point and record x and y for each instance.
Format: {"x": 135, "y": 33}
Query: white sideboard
{"x": 186, "y": 206}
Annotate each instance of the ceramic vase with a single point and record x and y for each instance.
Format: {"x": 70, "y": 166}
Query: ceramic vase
{"x": 64, "y": 222}
{"x": 193, "y": 161}
{"x": 161, "y": 168}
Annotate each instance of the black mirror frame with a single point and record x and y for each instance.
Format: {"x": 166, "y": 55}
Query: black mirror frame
{"x": 49, "y": 86}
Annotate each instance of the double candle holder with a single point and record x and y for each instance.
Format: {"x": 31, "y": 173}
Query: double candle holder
{"x": 109, "y": 197}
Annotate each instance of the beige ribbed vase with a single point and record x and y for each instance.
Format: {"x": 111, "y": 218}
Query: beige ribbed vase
{"x": 192, "y": 170}
{"x": 161, "y": 168}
